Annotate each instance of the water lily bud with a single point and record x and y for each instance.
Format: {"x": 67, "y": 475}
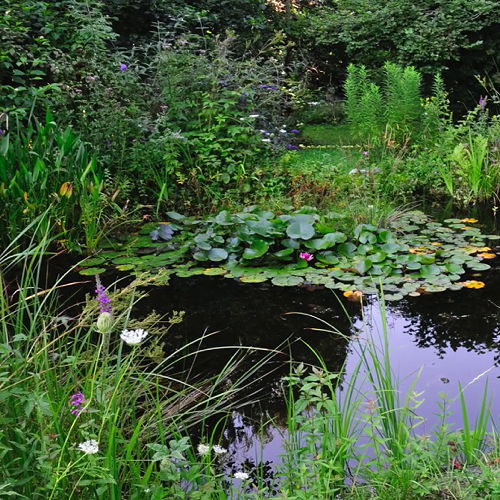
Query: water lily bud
{"x": 105, "y": 322}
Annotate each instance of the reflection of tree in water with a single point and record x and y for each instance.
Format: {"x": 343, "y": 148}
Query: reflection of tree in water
{"x": 466, "y": 318}
{"x": 252, "y": 315}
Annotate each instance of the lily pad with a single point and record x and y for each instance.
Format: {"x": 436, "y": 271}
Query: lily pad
{"x": 92, "y": 271}
{"x": 287, "y": 280}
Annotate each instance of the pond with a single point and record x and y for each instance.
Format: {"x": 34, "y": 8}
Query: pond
{"x": 445, "y": 339}
{"x": 450, "y": 337}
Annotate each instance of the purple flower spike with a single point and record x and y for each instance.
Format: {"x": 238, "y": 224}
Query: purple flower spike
{"x": 292, "y": 147}
{"x": 102, "y": 297}
{"x": 77, "y": 400}
{"x": 482, "y": 103}
{"x": 294, "y": 131}
{"x": 123, "y": 67}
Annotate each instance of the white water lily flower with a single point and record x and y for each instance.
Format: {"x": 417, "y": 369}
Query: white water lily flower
{"x": 241, "y": 475}
{"x": 219, "y": 450}
{"x": 203, "y": 449}
{"x": 89, "y": 447}
{"x": 133, "y": 337}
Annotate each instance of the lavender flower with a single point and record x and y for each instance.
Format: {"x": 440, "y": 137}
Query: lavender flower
{"x": 268, "y": 87}
{"x": 294, "y": 131}
{"x": 102, "y": 297}
{"x": 292, "y": 147}
{"x": 123, "y": 67}
{"x": 77, "y": 400}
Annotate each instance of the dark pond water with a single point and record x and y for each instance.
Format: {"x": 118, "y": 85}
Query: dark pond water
{"x": 450, "y": 337}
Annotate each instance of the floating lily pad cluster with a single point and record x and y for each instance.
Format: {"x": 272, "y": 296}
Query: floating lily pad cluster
{"x": 414, "y": 255}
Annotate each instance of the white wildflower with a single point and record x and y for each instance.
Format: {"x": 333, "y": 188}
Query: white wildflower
{"x": 203, "y": 449}
{"x": 219, "y": 450}
{"x": 266, "y": 140}
{"x": 133, "y": 337}
{"x": 282, "y": 131}
{"x": 253, "y": 116}
{"x": 89, "y": 447}
{"x": 313, "y": 103}
{"x": 241, "y": 475}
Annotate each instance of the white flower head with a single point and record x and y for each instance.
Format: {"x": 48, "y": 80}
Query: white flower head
{"x": 282, "y": 131}
{"x": 266, "y": 140}
{"x": 89, "y": 447}
{"x": 133, "y": 337}
{"x": 219, "y": 450}
{"x": 253, "y": 116}
{"x": 241, "y": 475}
{"x": 203, "y": 449}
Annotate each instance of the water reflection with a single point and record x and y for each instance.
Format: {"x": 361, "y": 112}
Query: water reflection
{"x": 451, "y": 337}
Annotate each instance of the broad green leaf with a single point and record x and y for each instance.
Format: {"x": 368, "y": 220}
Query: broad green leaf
{"x": 217, "y": 254}
{"x": 257, "y": 249}
{"x": 302, "y": 230}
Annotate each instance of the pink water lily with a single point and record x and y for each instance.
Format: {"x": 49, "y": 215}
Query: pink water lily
{"x": 306, "y": 256}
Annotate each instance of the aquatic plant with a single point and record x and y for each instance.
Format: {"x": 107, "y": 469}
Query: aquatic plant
{"x": 413, "y": 255}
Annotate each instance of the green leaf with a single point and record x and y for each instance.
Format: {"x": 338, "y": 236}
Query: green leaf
{"x": 92, "y": 271}
{"x": 390, "y": 247}
{"x": 303, "y": 230}
{"x": 224, "y": 218}
{"x": 327, "y": 241}
{"x": 283, "y": 253}
{"x": 287, "y": 280}
{"x": 346, "y": 249}
{"x": 327, "y": 257}
{"x": 429, "y": 270}
{"x": 176, "y": 216}
{"x": 378, "y": 257}
{"x": 362, "y": 265}
{"x": 257, "y": 249}
{"x": 217, "y": 254}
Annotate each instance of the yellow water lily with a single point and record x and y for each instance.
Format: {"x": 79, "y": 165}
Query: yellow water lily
{"x": 468, "y": 220}
{"x": 487, "y": 255}
{"x": 354, "y": 296}
{"x": 472, "y": 284}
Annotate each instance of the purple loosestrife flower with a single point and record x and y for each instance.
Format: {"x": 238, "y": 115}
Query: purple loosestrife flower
{"x": 294, "y": 131}
{"x": 102, "y": 297}
{"x": 123, "y": 67}
{"x": 292, "y": 147}
{"x": 77, "y": 400}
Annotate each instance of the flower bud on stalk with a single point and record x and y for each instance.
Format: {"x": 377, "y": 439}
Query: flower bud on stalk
{"x": 105, "y": 322}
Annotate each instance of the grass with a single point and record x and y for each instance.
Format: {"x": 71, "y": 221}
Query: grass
{"x": 327, "y": 135}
